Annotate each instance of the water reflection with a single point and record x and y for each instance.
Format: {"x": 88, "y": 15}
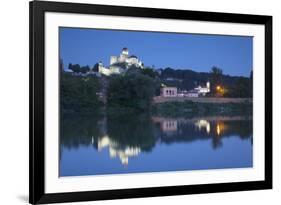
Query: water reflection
{"x": 126, "y": 137}
{"x": 115, "y": 151}
{"x": 203, "y": 124}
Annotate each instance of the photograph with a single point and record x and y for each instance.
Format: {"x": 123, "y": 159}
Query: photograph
{"x": 135, "y": 102}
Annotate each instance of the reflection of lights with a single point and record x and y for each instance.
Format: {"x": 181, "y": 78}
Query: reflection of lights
{"x": 218, "y": 88}
{"x": 203, "y": 123}
{"x": 171, "y": 125}
{"x": 218, "y": 129}
{"x": 208, "y": 128}
{"x": 103, "y": 142}
{"x": 124, "y": 154}
{"x": 114, "y": 152}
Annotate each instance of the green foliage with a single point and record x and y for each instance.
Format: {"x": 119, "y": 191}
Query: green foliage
{"x": 187, "y": 79}
{"x": 96, "y": 68}
{"x": 134, "y": 130}
{"x": 133, "y": 70}
{"x": 172, "y": 109}
{"x": 61, "y": 65}
{"x": 121, "y": 64}
{"x": 216, "y": 79}
{"x": 78, "y": 94}
{"x": 243, "y": 88}
{"x": 149, "y": 72}
{"x": 132, "y": 90}
{"x": 76, "y": 68}
{"x": 191, "y": 109}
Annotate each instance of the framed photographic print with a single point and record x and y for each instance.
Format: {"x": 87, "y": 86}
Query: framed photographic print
{"x": 140, "y": 102}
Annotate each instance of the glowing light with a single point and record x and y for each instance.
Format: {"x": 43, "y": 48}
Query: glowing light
{"x": 220, "y": 90}
{"x": 203, "y": 124}
{"x": 114, "y": 151}
{"x": 218, "y": 129}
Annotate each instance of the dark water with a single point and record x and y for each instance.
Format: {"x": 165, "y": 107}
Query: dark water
{"x": 141, "y": 143}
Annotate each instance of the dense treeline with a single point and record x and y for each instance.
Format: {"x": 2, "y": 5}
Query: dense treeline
{"x": 138, "y": 131}
{"x": 136, "y": 87}
{"x": 133, "y": 90}
{"x": 234, "y": 86}
{"x": 76, "y": 68}
{"x": 192, "y": 109}
{"x": 78, "y": 94}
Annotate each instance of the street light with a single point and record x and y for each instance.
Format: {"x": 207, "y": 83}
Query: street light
{"x": 220, "y": 90}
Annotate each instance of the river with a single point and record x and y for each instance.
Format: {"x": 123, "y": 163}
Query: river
{"x": 91, "y": 145}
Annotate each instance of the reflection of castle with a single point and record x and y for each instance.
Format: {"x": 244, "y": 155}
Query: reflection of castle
{"x": 203, "y": 124}
{"x": 120, "y": 64}
{"x": 124, "y": 154}
{"x": 170, "y": 130}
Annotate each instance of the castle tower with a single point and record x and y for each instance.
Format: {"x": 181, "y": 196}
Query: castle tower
{"x": 125, "y": 51}
{"x": 124, "y": 54}
{"x": 113, "y": 59}
{"x": 208, "y": 86}
{"x": 100, "y": 66}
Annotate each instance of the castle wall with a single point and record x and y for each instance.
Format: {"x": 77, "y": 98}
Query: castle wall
{"x": 104, "y": 70}
{"x": 113, "y": 59}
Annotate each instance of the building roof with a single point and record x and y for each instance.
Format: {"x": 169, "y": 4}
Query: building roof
{"x": 169, "y": 87}
{"x": 124, "y": 49}
{"x": 133, "y": 56}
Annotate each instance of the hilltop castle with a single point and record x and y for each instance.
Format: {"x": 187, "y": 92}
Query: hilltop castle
{"x": 119, "y": 64}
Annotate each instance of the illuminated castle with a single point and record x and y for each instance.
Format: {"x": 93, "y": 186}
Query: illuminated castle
{"x": 119, "y": 64}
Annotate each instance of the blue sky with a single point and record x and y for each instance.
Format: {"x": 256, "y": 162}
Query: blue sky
{"x": 233, "y": 54}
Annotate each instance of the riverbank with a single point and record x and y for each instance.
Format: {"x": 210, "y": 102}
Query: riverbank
{"x": 217, "y": 100}
{"x": 190, "y": 108}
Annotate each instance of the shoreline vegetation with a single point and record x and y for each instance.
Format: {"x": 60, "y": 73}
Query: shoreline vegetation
{"x": 192, "y": 109}
{"x": 137, "y": 91}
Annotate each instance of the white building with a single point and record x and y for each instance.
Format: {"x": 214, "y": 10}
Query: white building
{"x": 192, "y": 94}
{"x": 169, "y": 92}
{"x": 118, "y": 64}
{"x": 196, "y": 92}
{"x": 203, "y": 90}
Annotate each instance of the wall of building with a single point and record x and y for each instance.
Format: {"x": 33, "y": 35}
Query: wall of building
{"x": 113, "y": 59}
{"x": 169, "y": 92}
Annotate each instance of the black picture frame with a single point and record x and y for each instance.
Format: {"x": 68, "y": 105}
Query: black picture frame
{"x": 37, "y": 10}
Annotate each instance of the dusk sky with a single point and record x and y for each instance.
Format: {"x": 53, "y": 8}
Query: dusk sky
{"x": 233, "y": 54}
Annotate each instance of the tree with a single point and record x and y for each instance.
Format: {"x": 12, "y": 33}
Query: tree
{"x": 95, "y": 68}
{"x": 75, "y": 68}
{"x": 251, "y": 83}
{"x": 243, "y": 88}
{"x": 132, "y": 90}
{"x": 85, "y": 69}
{"x": 61, "y": 65}
{"x": 149, "y": 72}
{"x": 78, "y": 94}
{"x": 216, "y": 79}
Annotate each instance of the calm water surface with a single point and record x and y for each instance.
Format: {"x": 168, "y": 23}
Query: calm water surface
{"x": 141, "y": 143}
